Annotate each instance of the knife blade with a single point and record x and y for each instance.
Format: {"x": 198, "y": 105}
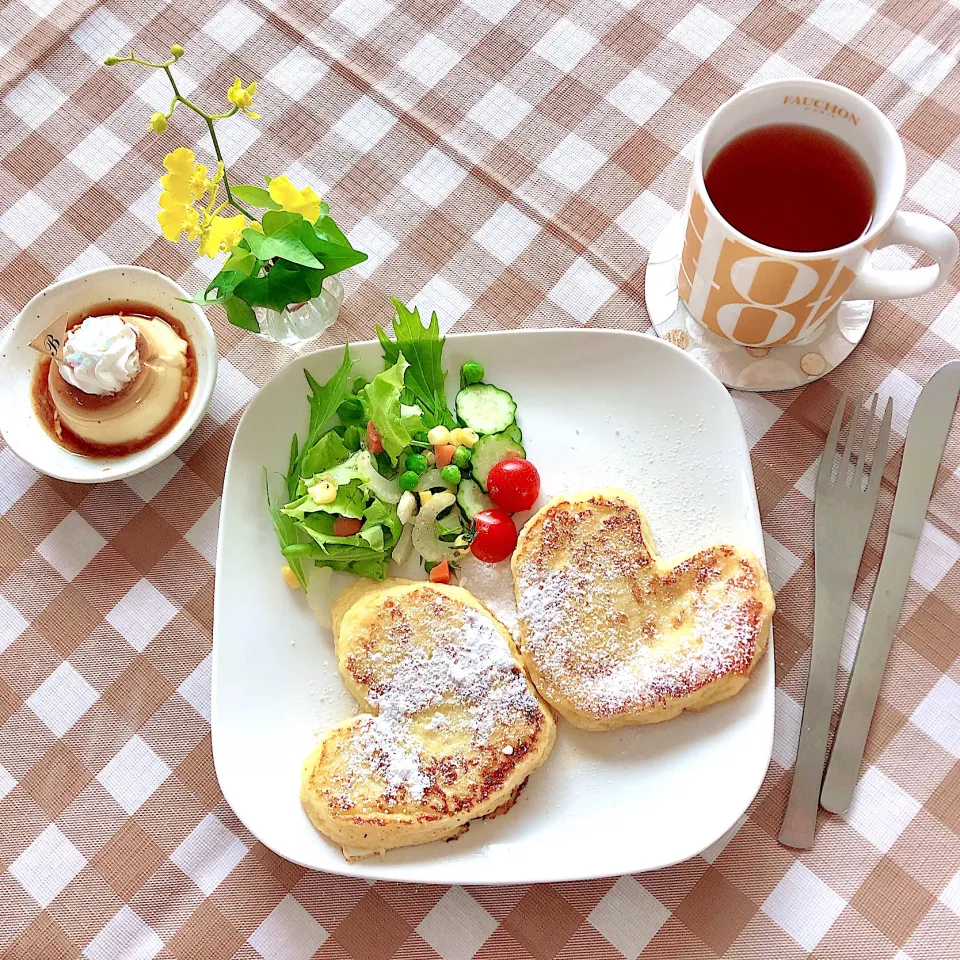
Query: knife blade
{"x": 926, "y": 439}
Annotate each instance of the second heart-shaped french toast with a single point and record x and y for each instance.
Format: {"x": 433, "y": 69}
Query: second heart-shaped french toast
{"x": 451, "y": 727}
{"x": 614, "y": 635}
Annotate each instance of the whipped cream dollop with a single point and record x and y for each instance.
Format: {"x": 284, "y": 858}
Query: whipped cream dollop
{"x": 100, "y": 356}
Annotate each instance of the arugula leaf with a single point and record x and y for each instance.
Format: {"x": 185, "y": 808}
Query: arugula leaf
{"x": 391, "y": 352}
{"x": 381, "y": 397}
{"x": 324, "y": 400}
{"x": 287, "y": 533}
{"x": 422, "y": 347}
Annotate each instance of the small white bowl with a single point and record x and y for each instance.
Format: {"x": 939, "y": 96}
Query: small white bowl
{"x": 112, "y": 286}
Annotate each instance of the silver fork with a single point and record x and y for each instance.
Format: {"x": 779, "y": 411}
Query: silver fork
{"x": 843, "y": 510}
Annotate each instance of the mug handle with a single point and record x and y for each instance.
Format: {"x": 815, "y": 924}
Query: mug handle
{"x": 915, "y": 230}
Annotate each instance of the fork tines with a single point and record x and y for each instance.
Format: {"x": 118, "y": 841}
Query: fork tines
{"x": 836, "y": 470}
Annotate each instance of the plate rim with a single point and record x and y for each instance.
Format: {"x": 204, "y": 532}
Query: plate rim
{"x": 377, "y": 868}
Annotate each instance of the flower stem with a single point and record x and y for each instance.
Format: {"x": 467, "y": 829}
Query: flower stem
{"x": 208, "y": 118}
{"x": 226, "y": 181}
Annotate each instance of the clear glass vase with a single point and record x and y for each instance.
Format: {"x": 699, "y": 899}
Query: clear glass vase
{"x": 297, "y": 325}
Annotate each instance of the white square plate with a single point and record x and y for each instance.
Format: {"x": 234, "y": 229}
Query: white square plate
{"x": 597, "y": 408}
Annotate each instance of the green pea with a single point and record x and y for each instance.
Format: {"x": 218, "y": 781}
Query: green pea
{"x": 462, "y": 457}
{"x": 416, "y": 462}
{"x": 471, "y": 372}
{"x": 408, "y": 480}
{"x": 450, "y": 475}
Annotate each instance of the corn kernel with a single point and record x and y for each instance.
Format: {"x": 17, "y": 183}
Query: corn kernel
{"x": 431, "y": 459}
{"x": 292, "y": 582}
{"x": 425, "y": 497}
{"x": 323, "y": 491}
{"x": 470, "y": 437}
{"x": 438, "y": 436}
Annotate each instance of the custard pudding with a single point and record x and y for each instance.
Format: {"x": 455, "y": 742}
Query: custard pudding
{"x": 123, "y": 381}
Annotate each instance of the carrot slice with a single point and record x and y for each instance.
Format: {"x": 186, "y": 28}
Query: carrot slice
{"x": 346, "y": 526}
{"x": 444, "y": 453}
{"x": 374, "y": 440}
{"x": 441, "y": 572}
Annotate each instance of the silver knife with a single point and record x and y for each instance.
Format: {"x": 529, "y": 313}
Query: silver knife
{"x": 926, "y": 439}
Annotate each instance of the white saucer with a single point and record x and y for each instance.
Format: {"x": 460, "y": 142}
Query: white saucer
{"x": 745, "y": 368}
{"x": 18, "y": 360}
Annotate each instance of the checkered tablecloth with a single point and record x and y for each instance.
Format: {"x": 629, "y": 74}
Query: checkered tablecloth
{"x": 508, "y": 163}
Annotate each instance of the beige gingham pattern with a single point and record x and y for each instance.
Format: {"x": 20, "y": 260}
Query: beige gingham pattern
{"x": 508, "y": 163}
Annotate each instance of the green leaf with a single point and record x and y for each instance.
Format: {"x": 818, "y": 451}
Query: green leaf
{"x": 422, "y": 347}
{"x": 326, "y": 229}
{"x": 284, "y": 283}
{"x": 241, "y": 314}
{"x": 336, "y": 254}
{"x": 283, "y": 244}
{"x": 381, "y": 397}
{"x": 324, "y": 400}
{"x": 225, "y": 282}
{"x": 255, "y": 196}
{"x": 240, "y": 259}
{"x": 325, "y": 453}
{"x": 391, "y": 352}
{"x": 287, "y": 533}
{"x": 275, "y": 220}
{"x": 365, "y": 554}
{"x": 349, "y": 502}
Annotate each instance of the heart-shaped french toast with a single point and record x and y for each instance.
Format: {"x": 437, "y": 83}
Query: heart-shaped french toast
{"x": 451, "y": 728}
{"x": 614, "y": 635}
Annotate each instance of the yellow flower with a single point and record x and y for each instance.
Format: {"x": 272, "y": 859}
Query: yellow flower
{"x": 177, "y": 183}
{"x": 242, "y": 97}
{"x": 176, "y": 218}
{"x": 158, "y": 123}
{"x": 179, "y": 161}
{"x": 198, "y": 181}
{"x": 221, "y": 234}
{"x": 305, "y": 201}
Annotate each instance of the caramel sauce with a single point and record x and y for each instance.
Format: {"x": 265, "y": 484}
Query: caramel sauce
{"x": 46, "y": 411}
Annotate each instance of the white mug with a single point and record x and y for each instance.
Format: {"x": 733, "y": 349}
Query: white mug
{"x": 756, "y": 295}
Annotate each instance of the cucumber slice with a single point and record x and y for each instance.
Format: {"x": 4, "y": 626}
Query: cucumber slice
{"x": 489, "y": 451}
{"x": 514, "y": 432}
{"x": 485, "y": 408}
{"x": 472, "y": 499}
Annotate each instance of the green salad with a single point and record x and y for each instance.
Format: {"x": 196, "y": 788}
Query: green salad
{"x": 387, "y": 468}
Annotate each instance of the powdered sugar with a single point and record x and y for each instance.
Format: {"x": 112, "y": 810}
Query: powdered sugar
{"x": 492, "y": 585}
{"x": 462, "y": 682}
{"x": 612, "y": 634}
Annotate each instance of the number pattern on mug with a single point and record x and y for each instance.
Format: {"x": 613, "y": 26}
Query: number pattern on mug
{"x": 747, "y": 296}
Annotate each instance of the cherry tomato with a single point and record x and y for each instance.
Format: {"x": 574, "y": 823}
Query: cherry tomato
{"x": 374, "y": 440}
{"x": 441, "y": 572}
{"x": 495, "y": 537}
{"x": 513, "y": 484}
{"x": 346, "y": 526}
